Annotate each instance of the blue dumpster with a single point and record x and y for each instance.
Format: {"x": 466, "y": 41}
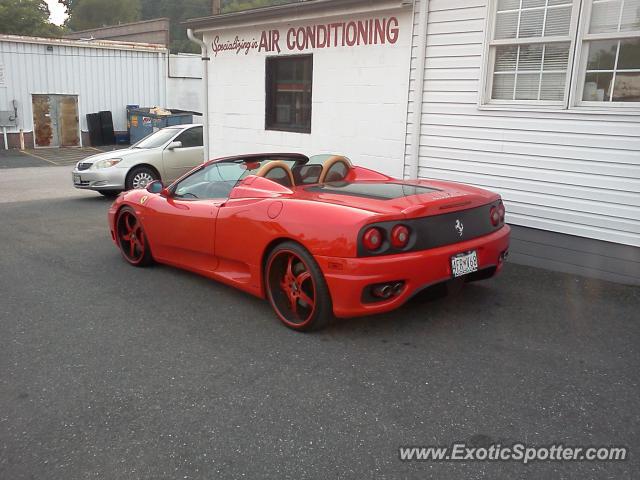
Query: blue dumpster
{"x": 143, "y": 123}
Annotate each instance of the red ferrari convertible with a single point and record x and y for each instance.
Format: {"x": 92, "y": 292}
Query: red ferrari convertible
{"x": 318, "y": 238}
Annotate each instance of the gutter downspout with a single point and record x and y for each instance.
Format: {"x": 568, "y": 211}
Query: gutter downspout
{"x": 205, "y": 79}
{"x": 418, "y": 94}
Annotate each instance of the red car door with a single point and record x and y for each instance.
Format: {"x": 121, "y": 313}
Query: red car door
{"x": 181, "y": 231}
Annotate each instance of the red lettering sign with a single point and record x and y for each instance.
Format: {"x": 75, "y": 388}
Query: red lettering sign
{"x": 355, "y": 33}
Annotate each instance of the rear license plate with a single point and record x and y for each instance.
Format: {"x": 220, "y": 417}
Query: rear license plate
{"x": 464, "y": 263}
{"x": 76, "y": 179}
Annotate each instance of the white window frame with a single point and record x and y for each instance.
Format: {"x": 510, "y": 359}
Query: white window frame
{"x": 581, "y": 56}
{"x": 576, "y": 68}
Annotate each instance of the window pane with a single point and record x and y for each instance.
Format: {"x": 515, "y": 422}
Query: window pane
{"x": 629, "y": 57}
{"x": 605, "y": 16}
{"x": 506, "y": 58}
{"x": 531, "y": 23}
{"x": 506, "y": 25}
{"x": 552, "y": 86}
{"x": 560, "y": 2}
{"x": 627, "y": 88}
{"x": 556, "y": 56}
{"x": 508, "y": 5}
{"x": 558, "y": 21}
{"x": 503, "y": 87}
{"x": 533, "y": 3}
{"x": 191, "y": 138}
{"x": 602, "y": 55}
{"x": 597, "y": 87}
{"x": 527, "y": 86}
{"x": 289, "y": 85}
{"x": 530, "y": 57}
{"x": 630, "y": 16}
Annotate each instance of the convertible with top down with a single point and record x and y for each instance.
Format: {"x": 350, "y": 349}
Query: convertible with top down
{"x": 316, "y": 237}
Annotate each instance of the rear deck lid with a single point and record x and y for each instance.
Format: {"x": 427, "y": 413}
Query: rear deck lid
{"x": 409, "y": 198}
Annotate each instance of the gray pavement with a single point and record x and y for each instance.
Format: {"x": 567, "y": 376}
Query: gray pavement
{"x": 46, "y": 157}
{"x": 18, "y": 159}
{"x": 107, "y": 371}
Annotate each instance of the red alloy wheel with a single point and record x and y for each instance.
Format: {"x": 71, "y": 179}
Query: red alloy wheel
{"x": 296, "y": 288}
{"x": 295, "y": 298}
{"x": 131, "y": 238}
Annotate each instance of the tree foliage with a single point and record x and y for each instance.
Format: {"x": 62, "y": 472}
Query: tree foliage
{"x": 177, "y": 12}
{"x": 86, "y": 14}
{"x": 237, "y": 5}
{"x": 27, "y": 17}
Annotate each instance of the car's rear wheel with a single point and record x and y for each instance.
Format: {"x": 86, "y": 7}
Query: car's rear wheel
{"x": 296, "y": 288}
{"x": 140, "y": 177}
{"x": 132, "y": 239}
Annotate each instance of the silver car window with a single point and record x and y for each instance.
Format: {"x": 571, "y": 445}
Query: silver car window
{"x": 157, "y": 139}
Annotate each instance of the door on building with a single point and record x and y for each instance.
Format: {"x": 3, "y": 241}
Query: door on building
{"x": 55, "y": 120}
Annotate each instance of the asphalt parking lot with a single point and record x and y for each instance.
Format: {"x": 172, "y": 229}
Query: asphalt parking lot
{"x": 47, "y": 157}
{"x": 108, "y": 371}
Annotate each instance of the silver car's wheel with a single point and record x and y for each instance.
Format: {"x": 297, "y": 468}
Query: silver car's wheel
{"x": 140, "y": 177}
{"x": 141, "y": 180}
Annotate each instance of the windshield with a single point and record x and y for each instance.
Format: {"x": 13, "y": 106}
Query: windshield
{"x": 218, "y": 179}
{"x": 157, "y": 139}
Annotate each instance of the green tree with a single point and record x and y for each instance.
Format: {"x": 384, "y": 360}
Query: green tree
{"x": 68, "y": 4}
{"x": 177, "y": 12}
{"x": 86, "y": 14}
{"x": 237, "y": 5}
{"x": 27, "y": 17}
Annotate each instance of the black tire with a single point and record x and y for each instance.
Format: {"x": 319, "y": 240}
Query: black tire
{"x": 109, "y": 193}
{"x": 132, "y": 239}
{"x": 140, "y": 177}
{"x": 296, "y": 288}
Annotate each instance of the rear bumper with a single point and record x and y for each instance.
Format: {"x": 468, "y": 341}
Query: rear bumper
{"x": 348, "y": 278}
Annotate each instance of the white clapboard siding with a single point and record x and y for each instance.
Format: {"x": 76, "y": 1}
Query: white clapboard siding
{"x": 562, "y": 171}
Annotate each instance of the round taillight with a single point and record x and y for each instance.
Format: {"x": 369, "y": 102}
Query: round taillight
{"x": 372, "y": 239}
{"x": 501, "y": 211}
{"x": 495, "y": 216}
{"x": 399, "y": 236}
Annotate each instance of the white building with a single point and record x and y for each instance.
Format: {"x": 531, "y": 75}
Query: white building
{"x": 47, "y": 86}
{"x": 538, "y": 100}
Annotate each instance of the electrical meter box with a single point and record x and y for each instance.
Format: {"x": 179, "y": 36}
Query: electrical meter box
{"x": 7, "y": 119}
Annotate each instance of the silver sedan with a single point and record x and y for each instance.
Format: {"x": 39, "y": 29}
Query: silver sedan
{"x": 164, "y": 155}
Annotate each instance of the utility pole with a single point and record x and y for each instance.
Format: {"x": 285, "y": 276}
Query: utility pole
{"x": 217, "y": 7}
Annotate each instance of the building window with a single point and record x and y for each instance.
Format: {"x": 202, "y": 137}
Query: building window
{"x": 532, "y": 46}
{"x": 289, "y": 91}
{"x": 611, "y": 52}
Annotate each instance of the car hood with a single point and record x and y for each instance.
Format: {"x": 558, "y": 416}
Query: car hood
{"x": 408, "y": 198}
{"x": 124, "y": 153}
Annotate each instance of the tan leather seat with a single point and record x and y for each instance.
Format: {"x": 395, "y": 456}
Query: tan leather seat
{"x": 335, "y": 169}
{"x": 277, "y": 171}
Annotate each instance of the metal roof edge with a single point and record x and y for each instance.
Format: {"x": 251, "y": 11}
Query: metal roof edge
{"x": 100, "y": 44}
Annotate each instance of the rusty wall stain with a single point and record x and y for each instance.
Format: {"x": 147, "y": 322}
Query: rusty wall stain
{"x": 42, "y": 120}
{"x": 68, "y": 111}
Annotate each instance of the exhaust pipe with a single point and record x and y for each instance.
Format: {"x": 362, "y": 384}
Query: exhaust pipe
{"x": 397, "y": 288}
{"x": 383, "y": 291}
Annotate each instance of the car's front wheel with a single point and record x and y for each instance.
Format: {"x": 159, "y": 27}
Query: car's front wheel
{"x": 296, "y": 288}
{"x": 140, "y": 177}
{"x": 132, "y": 239}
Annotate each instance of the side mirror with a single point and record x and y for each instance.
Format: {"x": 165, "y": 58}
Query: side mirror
{"x": 155, "y": 187}
{"x": 174, "y": 145}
